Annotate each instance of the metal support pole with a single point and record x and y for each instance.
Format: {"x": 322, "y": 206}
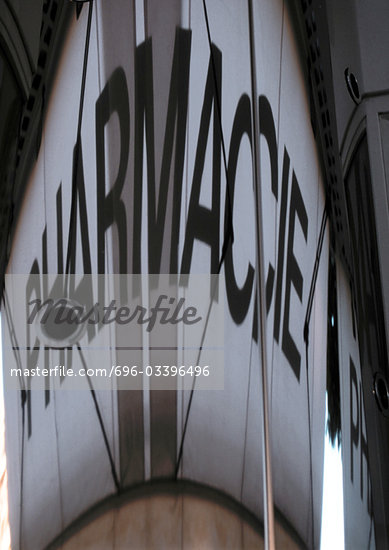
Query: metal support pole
{"x": 261, "y": 307}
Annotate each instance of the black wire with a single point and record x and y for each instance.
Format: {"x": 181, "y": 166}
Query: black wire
{"x": 72, "y": 236}
{"x": 228, "y": 238}
{"x": 23, "y": 397}
{"x": 13, "y": 337}
{"x": 101, "y": 422}
{"x": 315, "y": 271}
{"x": 73, "y": 206}
{"x": 310, "y": 447}
{"x": 371, "y": 516}
{"x": 247, "y": 415}
{"x": 229, "y": 235}
{"x": 180, "y": 452}
{"x": 23, "y": 403}
{"x": 306, "y": 340}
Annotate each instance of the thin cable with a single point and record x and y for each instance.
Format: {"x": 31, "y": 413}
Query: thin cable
{"x": 228, "y": 240}
{"x": 71, "y": 234}
{"x": 73, "y": 205}
{"x": 98, "y": 412}
{"x": 315, "y": 271}
{"x": 371, "y": 515}
{"x": 219, "y": 111}
{"x": 310, "y": 449}
{"x": 181, "y": 449}
{"x": 23, "y": 396}
{"x": 84, "y": 68}
{"x": 23, "y": 403}
{"x": 13, "y": 337}
{"x": 247, "y": 416}
{"x": 306, "y": 340}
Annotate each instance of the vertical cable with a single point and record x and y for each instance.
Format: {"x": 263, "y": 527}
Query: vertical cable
{"x": 23, "y": 396}
{"x": 306, "y": 340}
{"x": 101, "y": 422}
{"x": 310, "y": 445}
{"x": 23, "y": 402}
{"x": 72, "y": 234}
{"x": 73, "y": 206}
{"x": 227, "y": 241}
{"x": 261, "y": 303}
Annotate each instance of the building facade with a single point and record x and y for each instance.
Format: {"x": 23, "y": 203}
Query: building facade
{"x": 240, "y": 146}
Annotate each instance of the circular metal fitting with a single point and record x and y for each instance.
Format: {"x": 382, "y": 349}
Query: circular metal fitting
{"x": 352, "y": 86}
{"x": 381, "y": 393}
